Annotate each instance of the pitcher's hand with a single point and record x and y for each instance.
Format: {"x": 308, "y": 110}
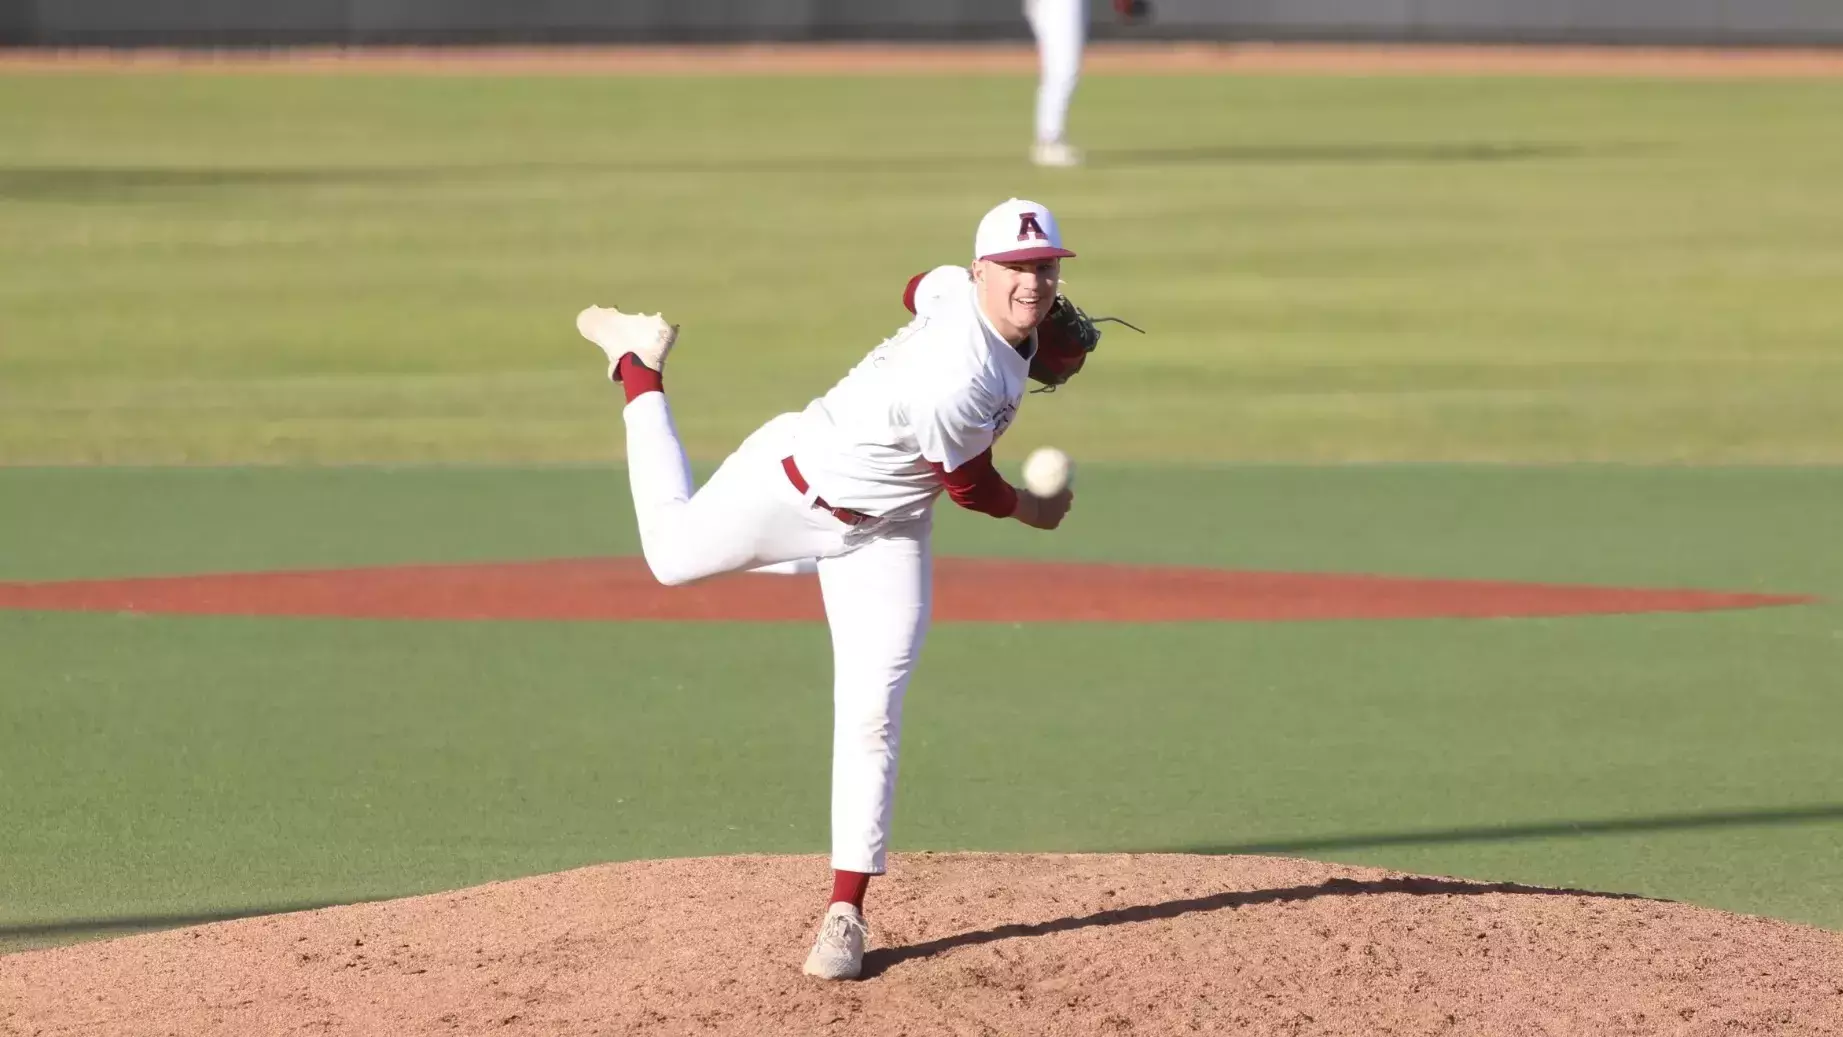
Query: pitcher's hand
{"x": 1043, "y": 512}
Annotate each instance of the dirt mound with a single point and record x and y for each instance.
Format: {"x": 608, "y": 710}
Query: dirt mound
{"x": 990, "y": 590}
{"x": 964, "y": 944}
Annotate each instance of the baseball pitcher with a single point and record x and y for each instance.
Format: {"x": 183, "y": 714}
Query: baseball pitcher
{"x": 846, "y": 488}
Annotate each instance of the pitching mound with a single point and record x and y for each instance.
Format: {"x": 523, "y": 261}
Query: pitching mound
{"x": 965, "y": 590}
{"x": 964, "y": 944}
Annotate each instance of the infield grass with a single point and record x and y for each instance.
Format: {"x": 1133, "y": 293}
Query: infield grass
{"x": 364, "y": 268}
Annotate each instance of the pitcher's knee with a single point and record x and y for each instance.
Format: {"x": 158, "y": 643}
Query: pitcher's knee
{"x": 875, "y": 733}
{"x": 672, "y": 569}
{"x": 670, "y": 576}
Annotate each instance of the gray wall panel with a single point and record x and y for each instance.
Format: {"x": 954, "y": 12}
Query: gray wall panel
{"x": 1244, "y": 16}
{"x": 16, "y": 22}
{"x": 1654, "y": 19}
{"x": 1368, "y": 15}
{"x": 435, "y": 21}
{"x": 944, "y": 17}
{"x": 1783, "y": 18}
{"x": 207, "y": 17}
{"x": 1492, "y": 19}
{"x": 532, "y": 19}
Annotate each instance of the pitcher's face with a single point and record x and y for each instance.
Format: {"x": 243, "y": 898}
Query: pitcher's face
{"x": 1017, "y": 296}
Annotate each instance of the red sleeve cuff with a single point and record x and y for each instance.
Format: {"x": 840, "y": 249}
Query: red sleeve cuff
{"x": 908, "y": 294}
{"x": 977, "y": 486}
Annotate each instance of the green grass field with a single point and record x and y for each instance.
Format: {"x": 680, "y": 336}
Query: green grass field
{"x": 279, "y": 269}
{"x": 277, "y": 321}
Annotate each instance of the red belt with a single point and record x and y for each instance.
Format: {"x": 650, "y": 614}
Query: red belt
{"x": 845, "y": 515}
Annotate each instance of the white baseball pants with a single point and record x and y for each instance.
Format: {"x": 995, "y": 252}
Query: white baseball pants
{"x": 876, "y": 579}
{"x": 1061, "y": 27}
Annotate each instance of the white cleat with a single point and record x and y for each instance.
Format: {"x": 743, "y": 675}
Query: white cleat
{"x": 838, "y": 953}
{"x": 645, "y": 335}
{"x": 1055, "y": 154}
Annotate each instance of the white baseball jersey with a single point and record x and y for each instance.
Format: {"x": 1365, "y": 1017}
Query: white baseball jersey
{"x": 943, "y": 389}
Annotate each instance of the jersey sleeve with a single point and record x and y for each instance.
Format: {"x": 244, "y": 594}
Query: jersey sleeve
{"x": 953, "y": 427}
{"x": 925, "y": 291}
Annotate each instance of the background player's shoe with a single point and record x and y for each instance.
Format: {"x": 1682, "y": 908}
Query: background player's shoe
{"x": 838, "y": 953}
{"x": 1055, "y": 153}
{"x": 646, "y": 335}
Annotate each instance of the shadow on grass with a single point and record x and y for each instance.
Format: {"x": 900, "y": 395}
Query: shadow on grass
{"x": 81, "y": 183}
{"x": 85, "y": 183}
{"x": 1499, "y": 833}
{"x": 1339, "y": 154}
{"x": 1349, "y": 153}
{"x": 123, "y": 925}
{"x": 877, "y": 961}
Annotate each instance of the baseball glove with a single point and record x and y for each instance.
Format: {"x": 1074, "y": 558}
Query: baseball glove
{"x": 1064, "y": 340}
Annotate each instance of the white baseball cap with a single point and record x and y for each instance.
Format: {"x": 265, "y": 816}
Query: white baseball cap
{"x": 1017, "y": 230}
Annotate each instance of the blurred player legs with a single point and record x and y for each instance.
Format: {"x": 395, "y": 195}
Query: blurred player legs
{"x": 1061, "y": 28}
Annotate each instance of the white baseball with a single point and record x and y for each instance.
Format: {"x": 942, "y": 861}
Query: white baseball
{"x": 1047, "y": 471}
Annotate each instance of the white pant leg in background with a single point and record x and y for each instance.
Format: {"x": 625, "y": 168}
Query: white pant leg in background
{"x": 1061, "y": 27}
{"x": 747, "y": 515}
{"x": 878, "y": 599}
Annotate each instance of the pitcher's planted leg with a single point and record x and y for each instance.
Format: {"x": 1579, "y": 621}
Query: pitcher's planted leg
{"x": 877, "y": 601}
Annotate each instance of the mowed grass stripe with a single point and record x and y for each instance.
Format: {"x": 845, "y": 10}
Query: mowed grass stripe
{"x": 376, "y": 269}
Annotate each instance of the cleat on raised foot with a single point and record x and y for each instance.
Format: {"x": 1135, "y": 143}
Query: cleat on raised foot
{"x": 645, "y": 335}
{"x": 838, "y": 952}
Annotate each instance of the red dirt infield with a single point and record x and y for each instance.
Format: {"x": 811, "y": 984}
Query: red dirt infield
{"x": 966, "y": 590}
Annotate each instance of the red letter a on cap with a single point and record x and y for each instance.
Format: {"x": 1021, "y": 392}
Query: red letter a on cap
{"x": 1027, "y": 228}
